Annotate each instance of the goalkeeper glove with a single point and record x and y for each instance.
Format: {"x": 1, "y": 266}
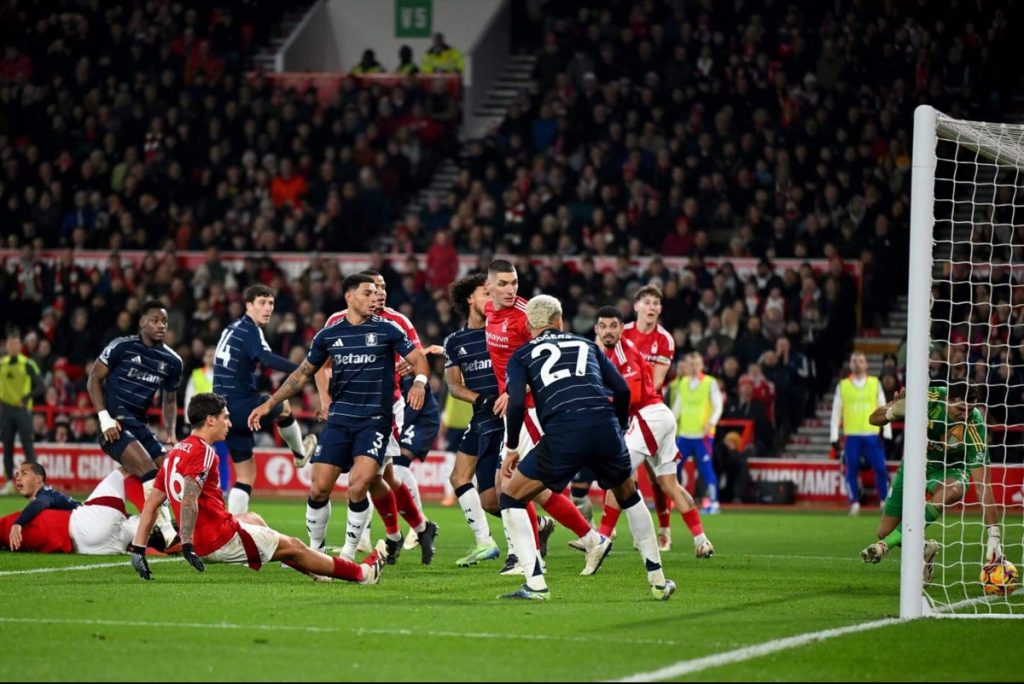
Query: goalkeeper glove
{"x": 484, "y": 402}
{"x": 190, "y": 555}
{"x": 138, "y": 554}
{"x": 897, "y": 411}
{"x": 994, "y": 546}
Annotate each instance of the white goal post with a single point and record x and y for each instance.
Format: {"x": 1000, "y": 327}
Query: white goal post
{"x": 966, "y": 211}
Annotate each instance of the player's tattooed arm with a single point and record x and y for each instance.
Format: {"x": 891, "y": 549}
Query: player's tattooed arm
{"x": 289, "y": 388}
{"x": 189, "y": 509}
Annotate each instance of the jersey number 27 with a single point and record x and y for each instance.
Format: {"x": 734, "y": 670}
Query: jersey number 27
{"x": 554, "y": 352}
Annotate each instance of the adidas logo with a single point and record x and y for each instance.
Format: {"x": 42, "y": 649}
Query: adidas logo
{"x": 337, "y": 343}
{"x": 137, "y": 359}
{"x": 462, "y": 351}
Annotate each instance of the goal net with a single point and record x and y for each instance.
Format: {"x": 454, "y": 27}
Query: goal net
{"x": 965, "y": 336}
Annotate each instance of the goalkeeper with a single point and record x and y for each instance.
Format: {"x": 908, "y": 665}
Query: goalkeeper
{"x": 956, "y": 452}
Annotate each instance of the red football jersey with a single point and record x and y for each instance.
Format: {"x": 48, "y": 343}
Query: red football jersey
{"x": 506, "y": 330}
{"x": 48, "y": 532}
{"x": 192, "y": 457}
{"x": 637, "y": 373}
{"x": 399, "y": 319}
{"x": 656, "y": 347}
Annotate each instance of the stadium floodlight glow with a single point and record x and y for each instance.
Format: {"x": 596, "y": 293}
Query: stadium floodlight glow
{"x": 966, "y": 260}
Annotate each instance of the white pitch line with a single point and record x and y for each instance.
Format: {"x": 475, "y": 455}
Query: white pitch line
{"x": 359, "y": 631}
{"x": 122, "y": 564}
{"x": 684, "y": 667}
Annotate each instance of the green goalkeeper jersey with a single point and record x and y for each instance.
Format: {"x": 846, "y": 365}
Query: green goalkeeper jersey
{"x": 960, "y": 445}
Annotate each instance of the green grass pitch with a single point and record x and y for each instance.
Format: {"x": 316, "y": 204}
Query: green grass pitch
{"x": 776, "y": 574}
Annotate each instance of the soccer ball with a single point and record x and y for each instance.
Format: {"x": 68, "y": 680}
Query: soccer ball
{"x": 1000, "y": 577}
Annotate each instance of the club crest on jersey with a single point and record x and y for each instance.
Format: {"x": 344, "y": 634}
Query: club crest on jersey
{"x": 371, "y": 339}
{"x": 504, "y": 326}
{"x": 161, "y": 366}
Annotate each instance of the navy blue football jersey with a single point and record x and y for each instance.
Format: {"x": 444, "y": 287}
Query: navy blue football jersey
{"x": 569, "y": 377}
{"x": 363, "y": 358}
{"x": 241, "y": 347}
{"x": 46, "y": 498}
{"x": 137, "y": 373}
{"x": 467, "y": 349}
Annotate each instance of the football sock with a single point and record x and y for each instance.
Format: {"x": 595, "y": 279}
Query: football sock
{"x": 405, "y": 476}
{"x": 663, "y": 507}
{"x": 318, "y": 514}
{"x": 469, "y": 500}
{"x": 531, "y": 514}
{"x": 358, "y": 515}
{"x": 291, "y": 433}
{"x": 561, "y": 509}
{"x": 407, "y": 508}
{"x": 238, "y": 498}
{"x": 609, "y": 519}
{"x": 134, "y": 493}
{"x": 692, "y": 520}
{"x": 388, "y": 511}
{"x": 518, "y": 523}
{"x": 347, "y": 570}
{"x": 642, "y": 528}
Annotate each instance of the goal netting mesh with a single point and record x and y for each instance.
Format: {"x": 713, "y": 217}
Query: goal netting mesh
{"x": 976, "y": 341}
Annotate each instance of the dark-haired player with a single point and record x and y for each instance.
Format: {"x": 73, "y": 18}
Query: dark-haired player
{"x": 241, "y": 347}
{"x": 122, "y": 384}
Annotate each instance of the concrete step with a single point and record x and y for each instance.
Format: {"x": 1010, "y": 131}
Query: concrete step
{"x": 877, "y": 345}
{"x": 802, "y": 456}
{"x": 805, "y": 438}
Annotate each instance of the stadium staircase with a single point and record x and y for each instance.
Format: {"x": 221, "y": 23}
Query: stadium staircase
{"x": 266, "y": 57}
{"x": 811, "y": 439}
{"x": 514, "y": 79}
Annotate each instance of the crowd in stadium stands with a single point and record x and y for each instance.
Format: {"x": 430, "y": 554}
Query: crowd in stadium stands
{"x": 655, "y": 128}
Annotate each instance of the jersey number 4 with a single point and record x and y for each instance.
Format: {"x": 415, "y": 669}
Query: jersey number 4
{"x": 554, "y": 352}
{"x": 222, "y": 354}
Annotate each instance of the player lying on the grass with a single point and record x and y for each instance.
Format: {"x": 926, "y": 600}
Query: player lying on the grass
{"x": 570, "y": 379}
{"x": 53, "y": 522}
{"x": 957, "y": 451}
{"x": 189, "y": 477}
{"x": 652, "y": 430}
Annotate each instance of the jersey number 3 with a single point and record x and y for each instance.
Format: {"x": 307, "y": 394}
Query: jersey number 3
{"x": 554, "y": 352}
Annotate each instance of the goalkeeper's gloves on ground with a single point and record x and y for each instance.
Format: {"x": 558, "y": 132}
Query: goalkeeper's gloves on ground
{"x": 994, "y": 546}
{"x": 138, "y": 554}
{"x": 190, "y": 555}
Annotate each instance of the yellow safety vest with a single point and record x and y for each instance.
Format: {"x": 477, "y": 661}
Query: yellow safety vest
{"x": 15, "y": 381}
{"x": 457, "y": 413}
{"x": 858, "y": 405}
{"x": 200, "y": 382}
{"x": 693, "y": 406}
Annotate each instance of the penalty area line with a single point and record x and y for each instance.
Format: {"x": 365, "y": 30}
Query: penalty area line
{"x": 684, "y": 667}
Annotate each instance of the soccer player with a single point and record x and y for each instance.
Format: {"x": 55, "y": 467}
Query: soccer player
{"x": 241, "y": 347}
{"x": 122, "y": 384}
{"x": 53, "y": 522}
{"x": 652, "y": 430}
{"x": 696, "y": 402}
{"x": 957, "y": 450}
{"x": 856, "y": 398}
{"x": 404, "y": 496}
{"x": 208, "y": 531}
{"x": 570, "y": 379}
{"x": 362, "y": 347}
{"x": 470, "y": 375}
{"x": 507, "y": 329}
{"x": 657, "y": 347}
